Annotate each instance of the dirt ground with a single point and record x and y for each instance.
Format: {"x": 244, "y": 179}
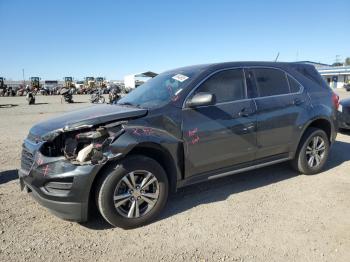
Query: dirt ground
{"x": 271, "y": 214}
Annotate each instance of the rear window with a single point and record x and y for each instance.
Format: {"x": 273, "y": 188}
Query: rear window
{"x": 271, "y": 82}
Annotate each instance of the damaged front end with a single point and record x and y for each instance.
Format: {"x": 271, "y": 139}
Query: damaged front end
{"x": 83, "y": 145}
{"x": 58, "y": 168}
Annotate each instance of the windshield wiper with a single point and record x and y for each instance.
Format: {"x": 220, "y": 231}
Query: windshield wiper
{"x": 125, "y": 104}
{"x": 129, "y": 104}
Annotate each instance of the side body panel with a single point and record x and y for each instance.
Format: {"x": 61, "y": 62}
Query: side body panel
{"x": 217, "y": 136}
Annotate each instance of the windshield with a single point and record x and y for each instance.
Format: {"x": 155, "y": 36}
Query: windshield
{"x": 159, "y": 90}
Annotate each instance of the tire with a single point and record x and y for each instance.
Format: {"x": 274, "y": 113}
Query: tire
{"x": 302, "y": 160}
{"x": 113, "y": 180}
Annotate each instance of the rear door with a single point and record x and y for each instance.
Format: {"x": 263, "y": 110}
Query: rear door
{"x": 277, "y": 111}
{"x": 223, "y": 134}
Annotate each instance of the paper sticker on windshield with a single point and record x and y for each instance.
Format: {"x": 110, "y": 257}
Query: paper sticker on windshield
{"x": 180, "y": 77}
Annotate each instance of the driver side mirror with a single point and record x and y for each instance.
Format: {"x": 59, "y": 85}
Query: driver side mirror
{"x": 201, "y": 99}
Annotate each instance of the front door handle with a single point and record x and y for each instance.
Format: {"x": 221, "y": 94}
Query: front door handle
{"x": 244, "y": 112}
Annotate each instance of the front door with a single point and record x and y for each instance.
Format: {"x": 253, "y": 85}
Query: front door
{"x": 224, "y": 134}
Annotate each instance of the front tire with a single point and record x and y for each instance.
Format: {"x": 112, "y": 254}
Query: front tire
{"x": 312, "y": 153}
{"x": 133, "y": 193}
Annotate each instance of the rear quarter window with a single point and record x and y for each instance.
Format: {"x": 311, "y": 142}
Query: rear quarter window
{"x": 311, "y": 73}
{"x": 293, "y": 85}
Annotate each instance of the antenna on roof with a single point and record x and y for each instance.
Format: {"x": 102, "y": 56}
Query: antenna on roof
{"x": 278, "y": 54}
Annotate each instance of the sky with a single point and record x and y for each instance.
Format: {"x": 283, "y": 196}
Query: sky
{"x": 58, "y": 38}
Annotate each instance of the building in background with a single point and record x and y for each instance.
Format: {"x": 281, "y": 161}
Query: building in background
{"x": 135, "y": 80}
{"x": 335, "y": 76}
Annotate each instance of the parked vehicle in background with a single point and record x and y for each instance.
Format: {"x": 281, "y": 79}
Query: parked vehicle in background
{"x": 114, "y": 95}
{"x": 67, "y": 94}
{"x": 50, "y": 87}
{"x": 97, "y": 96}
{"x": 347, "y": 87}
{"x": 344, "y": 114}
{"x": 21, "y": 91}
{"x": 30, "y": 97}
{"x": 79, "y": 86}
{"x": 182, "y": 127}
{"x": 35, "y": 84}
{"x": 89, "y": 84}
{"x": 10, "y": 91}
{"x": 3, "y": 87}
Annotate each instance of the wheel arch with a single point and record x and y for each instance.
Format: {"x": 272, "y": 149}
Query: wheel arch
{"x": 322, "y": 123}
{"x": 154, "y": 151}
{"x": 163, "y": 157}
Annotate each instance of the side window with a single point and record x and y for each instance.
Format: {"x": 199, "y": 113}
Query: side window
{"x": 226, "y": 85}
{"x": 251, "y": 86}
{"x": 294, "y": 85}
{"x": 271, "y": 82}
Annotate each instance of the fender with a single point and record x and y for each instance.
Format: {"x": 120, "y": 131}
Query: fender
{"x": 136, "y": 137}
{"x": 323, "y": 113}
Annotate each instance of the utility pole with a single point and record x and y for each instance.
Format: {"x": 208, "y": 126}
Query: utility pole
{"x": 337, "y": 58}
{"x": 24, "y": 81}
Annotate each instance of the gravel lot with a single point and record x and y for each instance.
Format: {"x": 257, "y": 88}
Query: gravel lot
{"x": 271, "y": 214}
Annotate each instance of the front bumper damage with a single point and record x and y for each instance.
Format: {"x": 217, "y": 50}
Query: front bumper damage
{"x": 57, "y": 184}
{"x": 60, "y": 183}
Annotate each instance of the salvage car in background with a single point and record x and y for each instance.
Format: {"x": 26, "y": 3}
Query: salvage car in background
{"x": 344, "y": 114}
{"x": 347, "y": 87}
{"x": 182, "y": 127}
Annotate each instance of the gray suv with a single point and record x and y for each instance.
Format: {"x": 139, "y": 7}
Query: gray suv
{"x": 182, "y": 127}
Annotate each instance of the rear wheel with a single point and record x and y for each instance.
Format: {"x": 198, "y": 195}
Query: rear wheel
{"x": 312, "y": 152}
{"x": 133, "y": 193}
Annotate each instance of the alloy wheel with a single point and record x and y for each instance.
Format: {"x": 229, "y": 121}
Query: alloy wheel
{"x": 315, "y": 151}
{"x": 136, "y": 194}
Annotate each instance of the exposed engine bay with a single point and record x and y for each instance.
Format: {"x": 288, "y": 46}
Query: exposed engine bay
{"x": 83, "y": 145}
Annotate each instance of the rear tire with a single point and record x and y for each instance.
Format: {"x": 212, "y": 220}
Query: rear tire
{"x": 312, "y": 152}
{"x": 126, "y": 196}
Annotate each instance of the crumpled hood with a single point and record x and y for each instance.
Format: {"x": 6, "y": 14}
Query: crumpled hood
{"x": 90, "y": 116}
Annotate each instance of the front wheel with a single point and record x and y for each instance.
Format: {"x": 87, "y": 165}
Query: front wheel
{"x": 133, "y": 193}
{"x": 312, "y": 152}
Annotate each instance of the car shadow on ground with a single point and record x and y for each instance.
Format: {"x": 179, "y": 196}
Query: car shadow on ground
{"x": 222, "y": 188}
{"x": 216, "y": 190}
{"x": 7, "y": 105}
{"x": 8, "y": 175}
{"x": 38, "y": 104}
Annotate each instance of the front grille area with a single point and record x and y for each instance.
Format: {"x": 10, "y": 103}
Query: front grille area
{"x": 27, "y": 159}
